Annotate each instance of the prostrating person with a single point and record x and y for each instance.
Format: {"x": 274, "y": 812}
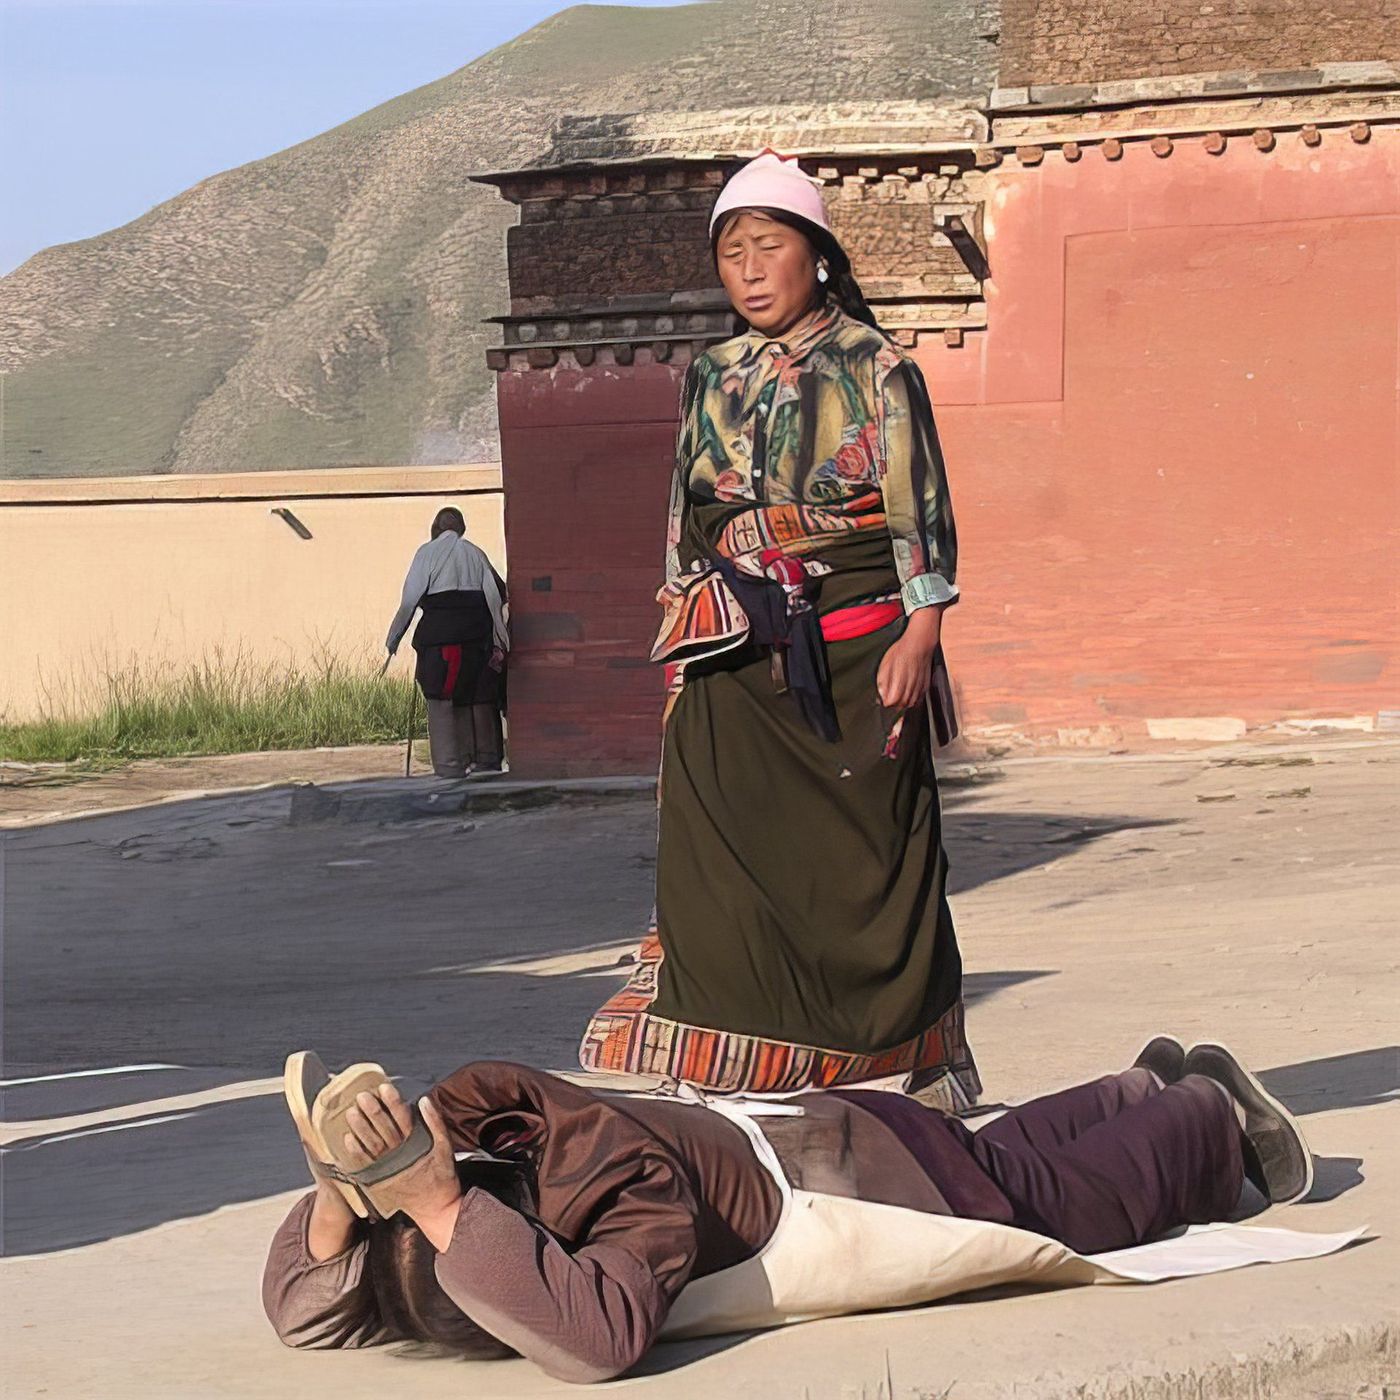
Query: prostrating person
{"x": 580, "y": 1225}
{"x": 803, "y": 936}
{"x": 461, "y": 641}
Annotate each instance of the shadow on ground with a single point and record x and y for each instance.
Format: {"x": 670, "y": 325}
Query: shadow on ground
{"x": 215, "y": 936}
{"x": 73, "y": 1190}
{"x": 212, "y": 933}
{"x": 1333, "y": 1177}
{"x": 1356, "y": 1080}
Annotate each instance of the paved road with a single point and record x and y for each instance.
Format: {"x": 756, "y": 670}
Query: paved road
{"x": 177, "y": 953}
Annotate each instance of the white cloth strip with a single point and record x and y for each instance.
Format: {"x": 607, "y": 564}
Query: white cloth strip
{"x": 84, "y": 1074}
{"x": 1211, "y": 1249}
{"x": 226, "y": 1093}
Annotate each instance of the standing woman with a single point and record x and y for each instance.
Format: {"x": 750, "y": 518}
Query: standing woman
{"x": 461, "y": 640}
{"x": 803, "y": 934}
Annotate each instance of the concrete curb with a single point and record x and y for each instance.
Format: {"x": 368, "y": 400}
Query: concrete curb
{"x": 416, "y": 799}
{"x": 383, "y": 800}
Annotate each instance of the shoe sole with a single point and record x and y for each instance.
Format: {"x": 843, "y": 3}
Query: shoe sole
{"x": 303, "y": 1078}
{"x": 1258, "y": 1098}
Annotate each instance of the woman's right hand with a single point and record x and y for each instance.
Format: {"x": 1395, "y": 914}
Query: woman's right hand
{"x": 428, "y": 1190}
{"x": 906, "y": 669}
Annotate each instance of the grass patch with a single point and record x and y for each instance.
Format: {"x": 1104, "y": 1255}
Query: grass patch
{"x": 219, "y": 705}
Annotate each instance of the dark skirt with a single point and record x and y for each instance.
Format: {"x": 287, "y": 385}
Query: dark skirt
{"x": 453, "y": 640}
{"x": 458, "y": 672}
{"x": 803, "y": 932}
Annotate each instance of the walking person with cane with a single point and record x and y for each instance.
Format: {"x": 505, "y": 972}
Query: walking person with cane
{"x": 461, "y": 641}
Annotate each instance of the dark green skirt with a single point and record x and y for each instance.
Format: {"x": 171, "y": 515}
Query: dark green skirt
{"x": 803, "y": 931}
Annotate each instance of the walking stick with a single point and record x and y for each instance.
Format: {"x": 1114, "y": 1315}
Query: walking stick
{"x": 412, "y": 716}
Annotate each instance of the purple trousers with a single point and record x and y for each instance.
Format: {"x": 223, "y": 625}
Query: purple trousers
{"x": 1101, "y": 1166}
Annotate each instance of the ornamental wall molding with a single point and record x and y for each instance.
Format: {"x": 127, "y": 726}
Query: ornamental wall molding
{"x": 666, "y": 330}
{"x": 721, "y": 136}
{"x": 1347, "y": 114}
{"x": 679, "y": 331}
{"x": 905, "y": 184}
{"x": 1324, "y": 77}
{"x": 692, "y": 186}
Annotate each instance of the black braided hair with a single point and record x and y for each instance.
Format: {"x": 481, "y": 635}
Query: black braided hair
{"x": 841, "y": 285}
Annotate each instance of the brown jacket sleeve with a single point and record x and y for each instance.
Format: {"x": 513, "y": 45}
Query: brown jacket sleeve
{"x": 319, "y": 1304}
{"x": 582, "y": 1290}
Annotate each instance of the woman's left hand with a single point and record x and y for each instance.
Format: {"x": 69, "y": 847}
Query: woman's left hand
{"x": 906, "y": 669}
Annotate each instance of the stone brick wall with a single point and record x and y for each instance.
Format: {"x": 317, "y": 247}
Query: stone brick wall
{"x": 583, "y": 252}
{"x": 1089, "y": 41}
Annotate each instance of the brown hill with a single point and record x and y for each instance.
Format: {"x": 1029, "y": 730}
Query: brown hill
{"x": 323, "y": 306}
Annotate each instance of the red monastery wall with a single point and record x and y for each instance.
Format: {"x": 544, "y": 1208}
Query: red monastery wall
{"x": 590, "y": 453}
{"x": 1168, "y": 402}
{"x": 1174, "y": 453}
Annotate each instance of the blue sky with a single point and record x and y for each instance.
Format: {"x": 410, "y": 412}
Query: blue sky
{"x": 108, "y": 107}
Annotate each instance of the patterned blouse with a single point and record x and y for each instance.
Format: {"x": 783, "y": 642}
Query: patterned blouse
{"x": 819, "y": 419}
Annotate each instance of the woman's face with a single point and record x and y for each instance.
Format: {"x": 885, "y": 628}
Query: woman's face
{"x": 769, "y": 271}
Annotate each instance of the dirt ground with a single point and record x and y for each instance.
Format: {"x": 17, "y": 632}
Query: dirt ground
{"x": 44, "y": 792}
{"x": 41, "y": 792}
{"x": 1242, "y": 892}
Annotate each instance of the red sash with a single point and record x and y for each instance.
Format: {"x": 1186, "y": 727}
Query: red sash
{"x": 861, "y": 620}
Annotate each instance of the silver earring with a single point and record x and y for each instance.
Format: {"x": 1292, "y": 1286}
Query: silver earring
{"x": 821, "y": 272}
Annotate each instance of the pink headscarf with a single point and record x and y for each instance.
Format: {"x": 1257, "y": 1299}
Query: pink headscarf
{"x": 771, "y": 182}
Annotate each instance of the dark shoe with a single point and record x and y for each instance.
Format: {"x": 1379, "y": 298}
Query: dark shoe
{"x": 1276, "y": 1156}
{"x": 1164, "y": 1055}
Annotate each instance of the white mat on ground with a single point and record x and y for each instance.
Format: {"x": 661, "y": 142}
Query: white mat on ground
{"x": 1211, "y": 1249}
